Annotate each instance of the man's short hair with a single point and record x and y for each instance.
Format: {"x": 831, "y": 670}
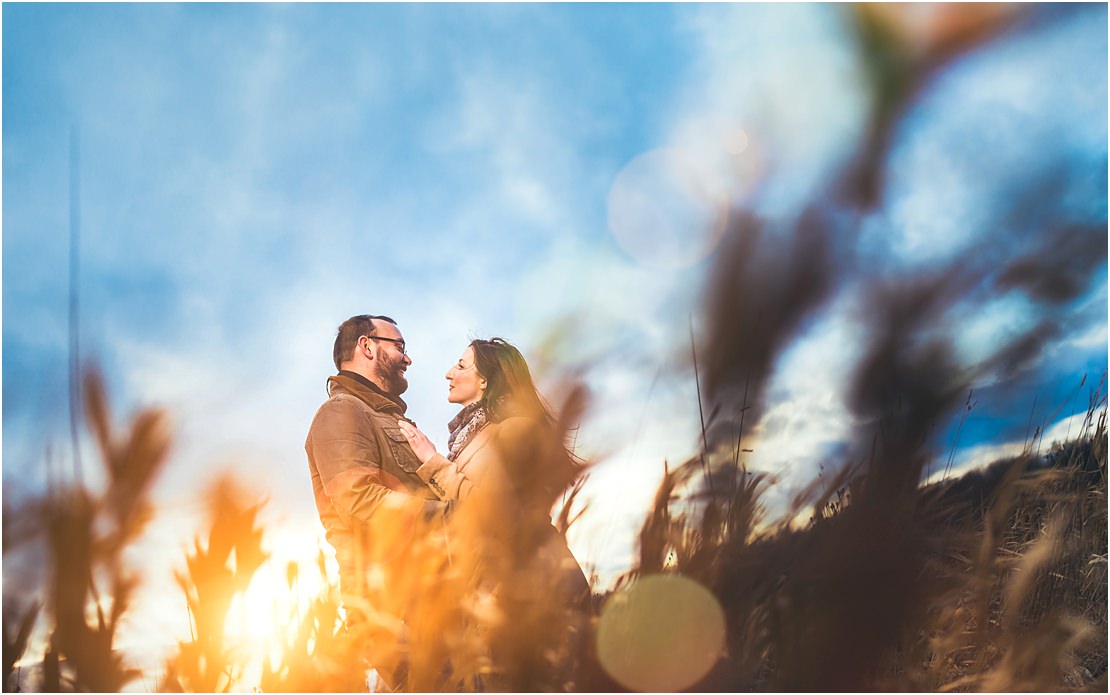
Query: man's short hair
{"x": 349, "y": 332}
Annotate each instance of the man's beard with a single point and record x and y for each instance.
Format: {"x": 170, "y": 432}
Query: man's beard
{"x": 391, "y": 373}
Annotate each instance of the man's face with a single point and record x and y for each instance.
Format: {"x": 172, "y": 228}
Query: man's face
{"x": 391, "y": 361}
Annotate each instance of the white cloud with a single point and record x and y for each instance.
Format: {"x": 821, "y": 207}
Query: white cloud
{"x": 982, "y": 129}
{"x": 975, "y": 457}
{"x": 633, "y": 442}
{"x": 1093, "y": 337}
{"x": 807, "y": 419}
{"x": 502, "y": 123}
{"x": 267, "y": 192}
{"x": 787, "y": 76}
{"x": 984, "y": 328}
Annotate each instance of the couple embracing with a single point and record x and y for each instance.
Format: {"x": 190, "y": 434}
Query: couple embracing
{"x": 378, "y": 481}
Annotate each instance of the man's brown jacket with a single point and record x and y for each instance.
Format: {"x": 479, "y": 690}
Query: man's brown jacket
{"x": 364, "y": 479}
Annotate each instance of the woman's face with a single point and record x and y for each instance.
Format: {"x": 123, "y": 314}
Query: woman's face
{"x": 465, "y": 385}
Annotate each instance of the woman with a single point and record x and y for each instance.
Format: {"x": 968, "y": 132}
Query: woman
{"x": 504, "y": 446}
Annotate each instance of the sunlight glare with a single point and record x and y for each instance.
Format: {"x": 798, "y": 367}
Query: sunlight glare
{"x": 265, "y": 617}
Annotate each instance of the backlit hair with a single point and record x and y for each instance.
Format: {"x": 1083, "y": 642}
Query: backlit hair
{"x": 509, "y": 386}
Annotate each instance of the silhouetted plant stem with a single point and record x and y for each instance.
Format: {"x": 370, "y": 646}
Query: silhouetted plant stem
{"x": 701, "y": 412}
{"x": 74, "y": 292}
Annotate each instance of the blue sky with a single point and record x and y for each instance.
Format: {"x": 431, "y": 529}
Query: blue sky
{"x": 251, "y": 175}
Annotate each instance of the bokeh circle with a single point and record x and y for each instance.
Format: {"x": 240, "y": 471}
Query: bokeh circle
{"x": 668, "y": 208}
{"x": 662, "y": 633}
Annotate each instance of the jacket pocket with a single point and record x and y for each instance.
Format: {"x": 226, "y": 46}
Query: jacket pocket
{"x": 402, "y": 452}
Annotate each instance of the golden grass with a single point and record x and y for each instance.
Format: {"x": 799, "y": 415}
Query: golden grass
{"x": 932, "y": 593}
{"x": 998, "y": 584}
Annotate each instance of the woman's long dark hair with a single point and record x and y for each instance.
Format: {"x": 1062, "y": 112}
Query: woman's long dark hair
{"x": 509, "y": 387}
{"x": 550, "y": 466}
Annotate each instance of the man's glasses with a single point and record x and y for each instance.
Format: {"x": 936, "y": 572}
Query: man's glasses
{"x": 399, "y": 343}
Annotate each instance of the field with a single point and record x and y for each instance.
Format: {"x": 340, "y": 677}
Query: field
{"x": 869, "y": 580}
{"x": 993, "y": 581}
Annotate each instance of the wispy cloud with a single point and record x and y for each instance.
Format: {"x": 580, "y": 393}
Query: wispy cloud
{"x": 789, "y": 77}
{"x": 253, "y": 175}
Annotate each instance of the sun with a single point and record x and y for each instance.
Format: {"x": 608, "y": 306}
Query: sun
{"x": 264, "y": 618}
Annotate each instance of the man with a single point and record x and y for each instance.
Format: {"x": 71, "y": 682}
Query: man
{"x": 363, "y": 472}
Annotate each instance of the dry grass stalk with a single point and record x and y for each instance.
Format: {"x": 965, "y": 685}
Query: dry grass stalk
{"x": 90, "y": 587}
{"x": 891, "y": 587}
{"x": 215, "y": 574}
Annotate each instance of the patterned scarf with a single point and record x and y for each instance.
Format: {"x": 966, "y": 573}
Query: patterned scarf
{"x": 464, "y": 427}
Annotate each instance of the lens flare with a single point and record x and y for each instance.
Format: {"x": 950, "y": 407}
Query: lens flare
{"x": 661, "y": 633}
{"x": 668, "y": 208}
{"x": 735, "y": 141}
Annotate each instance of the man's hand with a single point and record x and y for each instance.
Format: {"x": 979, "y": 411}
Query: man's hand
{"x": 418, "y": 442}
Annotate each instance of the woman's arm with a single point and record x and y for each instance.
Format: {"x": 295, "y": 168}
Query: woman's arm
{"x": 445, "y": 479}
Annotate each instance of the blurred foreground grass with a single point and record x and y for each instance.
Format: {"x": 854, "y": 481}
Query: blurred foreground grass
{"x": 993, "y": 581}
{"x": 869, "y": 582}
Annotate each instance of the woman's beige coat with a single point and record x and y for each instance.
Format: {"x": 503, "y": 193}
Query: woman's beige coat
{"x": 498, "y": 455}
{"x": 483, "y": 461}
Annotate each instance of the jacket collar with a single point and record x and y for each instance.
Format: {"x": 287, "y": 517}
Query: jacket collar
{"x": 366, "y": 391}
